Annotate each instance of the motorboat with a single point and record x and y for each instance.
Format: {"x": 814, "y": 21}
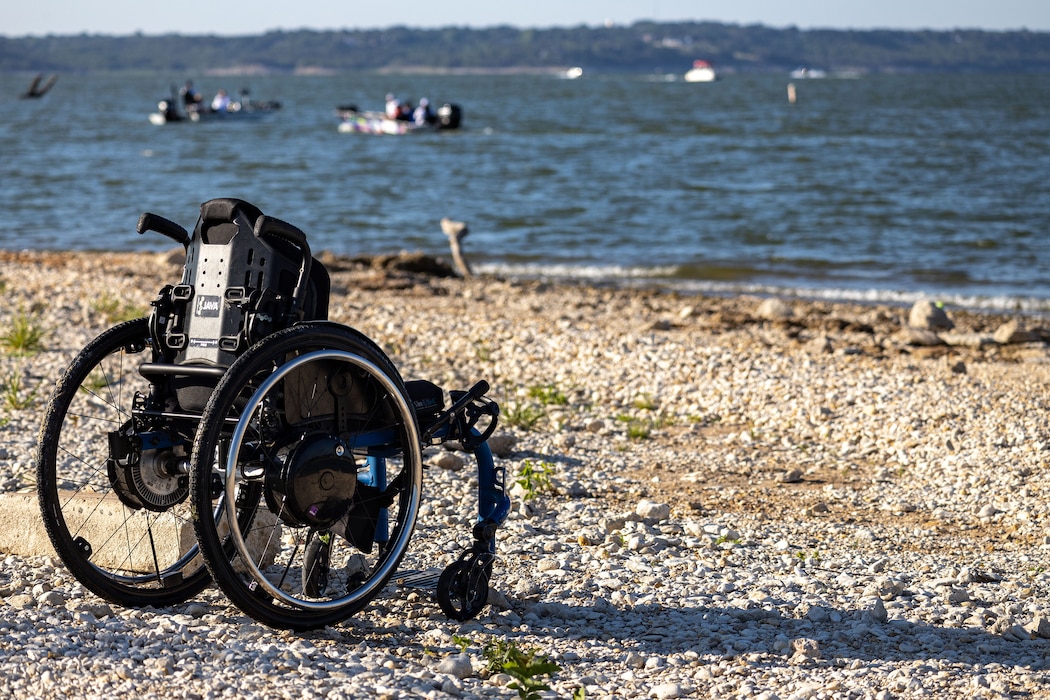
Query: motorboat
{"x": 244, "y": 109}
{"x": 701, "y": 72}
{"x": 804, "y": 73}
{"x": 448, "y": 117}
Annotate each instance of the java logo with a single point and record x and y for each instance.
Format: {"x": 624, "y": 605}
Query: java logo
{"x": 207, "y": 306}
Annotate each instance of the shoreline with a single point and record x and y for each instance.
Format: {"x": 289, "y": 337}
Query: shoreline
{"x": 1036, "y": 309}
{"x": 751, "y": 495}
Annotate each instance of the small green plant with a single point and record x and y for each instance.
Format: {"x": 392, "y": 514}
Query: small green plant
{"x": 114, "y": 310}
{"x": 639, "y": 430}
{"x": 813, "y": 556}
{"x": 644, "y": 403}
{"x": 25, "y": 336}
{"x": 548, "y": 395}
{"x": 523, "y": 415}
{"x": 461, "y": 642}
{"x": 535, "y": 478}
{"x": 482, "y": 351}
{"x": 95, "y": 381}
{"x": 642, "y": 428}
{"x": 15, "y": 396}
{"x": 526, "y": 666}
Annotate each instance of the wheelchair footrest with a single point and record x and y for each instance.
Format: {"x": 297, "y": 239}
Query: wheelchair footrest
{"x": 421, "y": 579}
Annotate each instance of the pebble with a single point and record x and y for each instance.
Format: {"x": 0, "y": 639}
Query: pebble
{"x": 921, "y": 574}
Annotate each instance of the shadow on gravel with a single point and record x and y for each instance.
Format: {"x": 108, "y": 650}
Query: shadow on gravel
{"x": 539, "y": 456}
{"x": 730, "y": 632}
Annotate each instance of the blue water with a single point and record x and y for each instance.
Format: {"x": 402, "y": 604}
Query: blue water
{"x": 881, "y": 187}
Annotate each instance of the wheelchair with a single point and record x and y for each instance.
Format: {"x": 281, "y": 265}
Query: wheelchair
{"x": 236, "y": 435}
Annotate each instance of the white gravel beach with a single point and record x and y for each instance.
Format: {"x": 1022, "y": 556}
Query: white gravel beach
{"x": 749, "y": 498}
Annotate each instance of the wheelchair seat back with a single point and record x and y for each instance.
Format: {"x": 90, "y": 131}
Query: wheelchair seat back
{"x": 243, "y": 279}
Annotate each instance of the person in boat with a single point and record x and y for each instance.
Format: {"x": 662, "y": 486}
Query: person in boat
{"x": 404, "y": 112}
{"x": 423, "y": 115}
{"x": 393, "y": 106}
{"x": 221, "y": 103}
{"x": 191, "y": 99}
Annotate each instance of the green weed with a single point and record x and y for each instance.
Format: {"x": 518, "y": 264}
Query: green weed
{"x": 482, "y": 351}
{"x": 644, "y": 403}
{"x": 96, "y": 381}
{"x": 526, "y": 666}
{"x": 25, "y": 336}
{"x": 535, "y": 478}
{"x": 114, "y": 310}
{"x": 639, "y": 430}
{"x": 16, "y": 397}
{"x": 523, "y": 415}
{"x": 548, "y": 395}
{"x": 813, "y": 556}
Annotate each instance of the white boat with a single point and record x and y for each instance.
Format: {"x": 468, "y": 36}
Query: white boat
{"x": 701, "y": 72}
{"x": 448, "y": 117}
{"x": 803, "y": 73}
{"x": 573, "y": 73}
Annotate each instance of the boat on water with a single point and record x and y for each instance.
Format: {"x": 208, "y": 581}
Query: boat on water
{"x": 172, "y": 110}
{"x": 354, "y": 121}
{"x": 701, "y": 72}
{"x": 805, "y": 73}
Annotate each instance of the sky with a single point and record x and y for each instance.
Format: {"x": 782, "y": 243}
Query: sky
{"x": 246, "y": 17}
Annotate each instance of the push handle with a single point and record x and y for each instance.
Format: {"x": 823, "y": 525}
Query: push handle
{"x": 153, "y": 222}
{"x": 460, "y": 402}
{"x": 269, "y": 226}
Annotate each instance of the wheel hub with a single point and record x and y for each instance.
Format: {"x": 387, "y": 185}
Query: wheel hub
{"x": 145, "y": 470}
{"x": 315, "y": 485}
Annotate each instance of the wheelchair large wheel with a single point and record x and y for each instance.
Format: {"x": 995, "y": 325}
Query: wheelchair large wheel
{"x": 317, "y": 420}
{"x": 112, "y": 493}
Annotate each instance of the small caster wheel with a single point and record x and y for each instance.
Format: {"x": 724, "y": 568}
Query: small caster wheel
{"x": 316, "y": 559}
{"x": 463, "y": 589}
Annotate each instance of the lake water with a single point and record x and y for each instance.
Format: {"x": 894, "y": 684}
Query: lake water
{"x": 880, "y": 187}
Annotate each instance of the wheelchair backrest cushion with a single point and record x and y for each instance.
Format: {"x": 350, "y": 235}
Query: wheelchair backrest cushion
{"x": 236, "y": 288}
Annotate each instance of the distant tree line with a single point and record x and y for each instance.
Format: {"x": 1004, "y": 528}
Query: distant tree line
{"x": 641, "y": 47}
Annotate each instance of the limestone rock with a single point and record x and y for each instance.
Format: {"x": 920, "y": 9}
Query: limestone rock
{"x": 651, "y": 510}
{"x": 919, "y": 337}
{"x": 773, "y": 310}
{"x": 502, "y": 444}
{"x": 450, "y": 461}
{"x": 458, "y": 666}
{"x": 929, "y": 315}
{"x": 804, "y": 650}
{"x": 1013, "y": 332}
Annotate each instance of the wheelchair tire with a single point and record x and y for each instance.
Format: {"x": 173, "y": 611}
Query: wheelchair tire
{"x": 317, "y": 417}
{"x": 123, "y": 552}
